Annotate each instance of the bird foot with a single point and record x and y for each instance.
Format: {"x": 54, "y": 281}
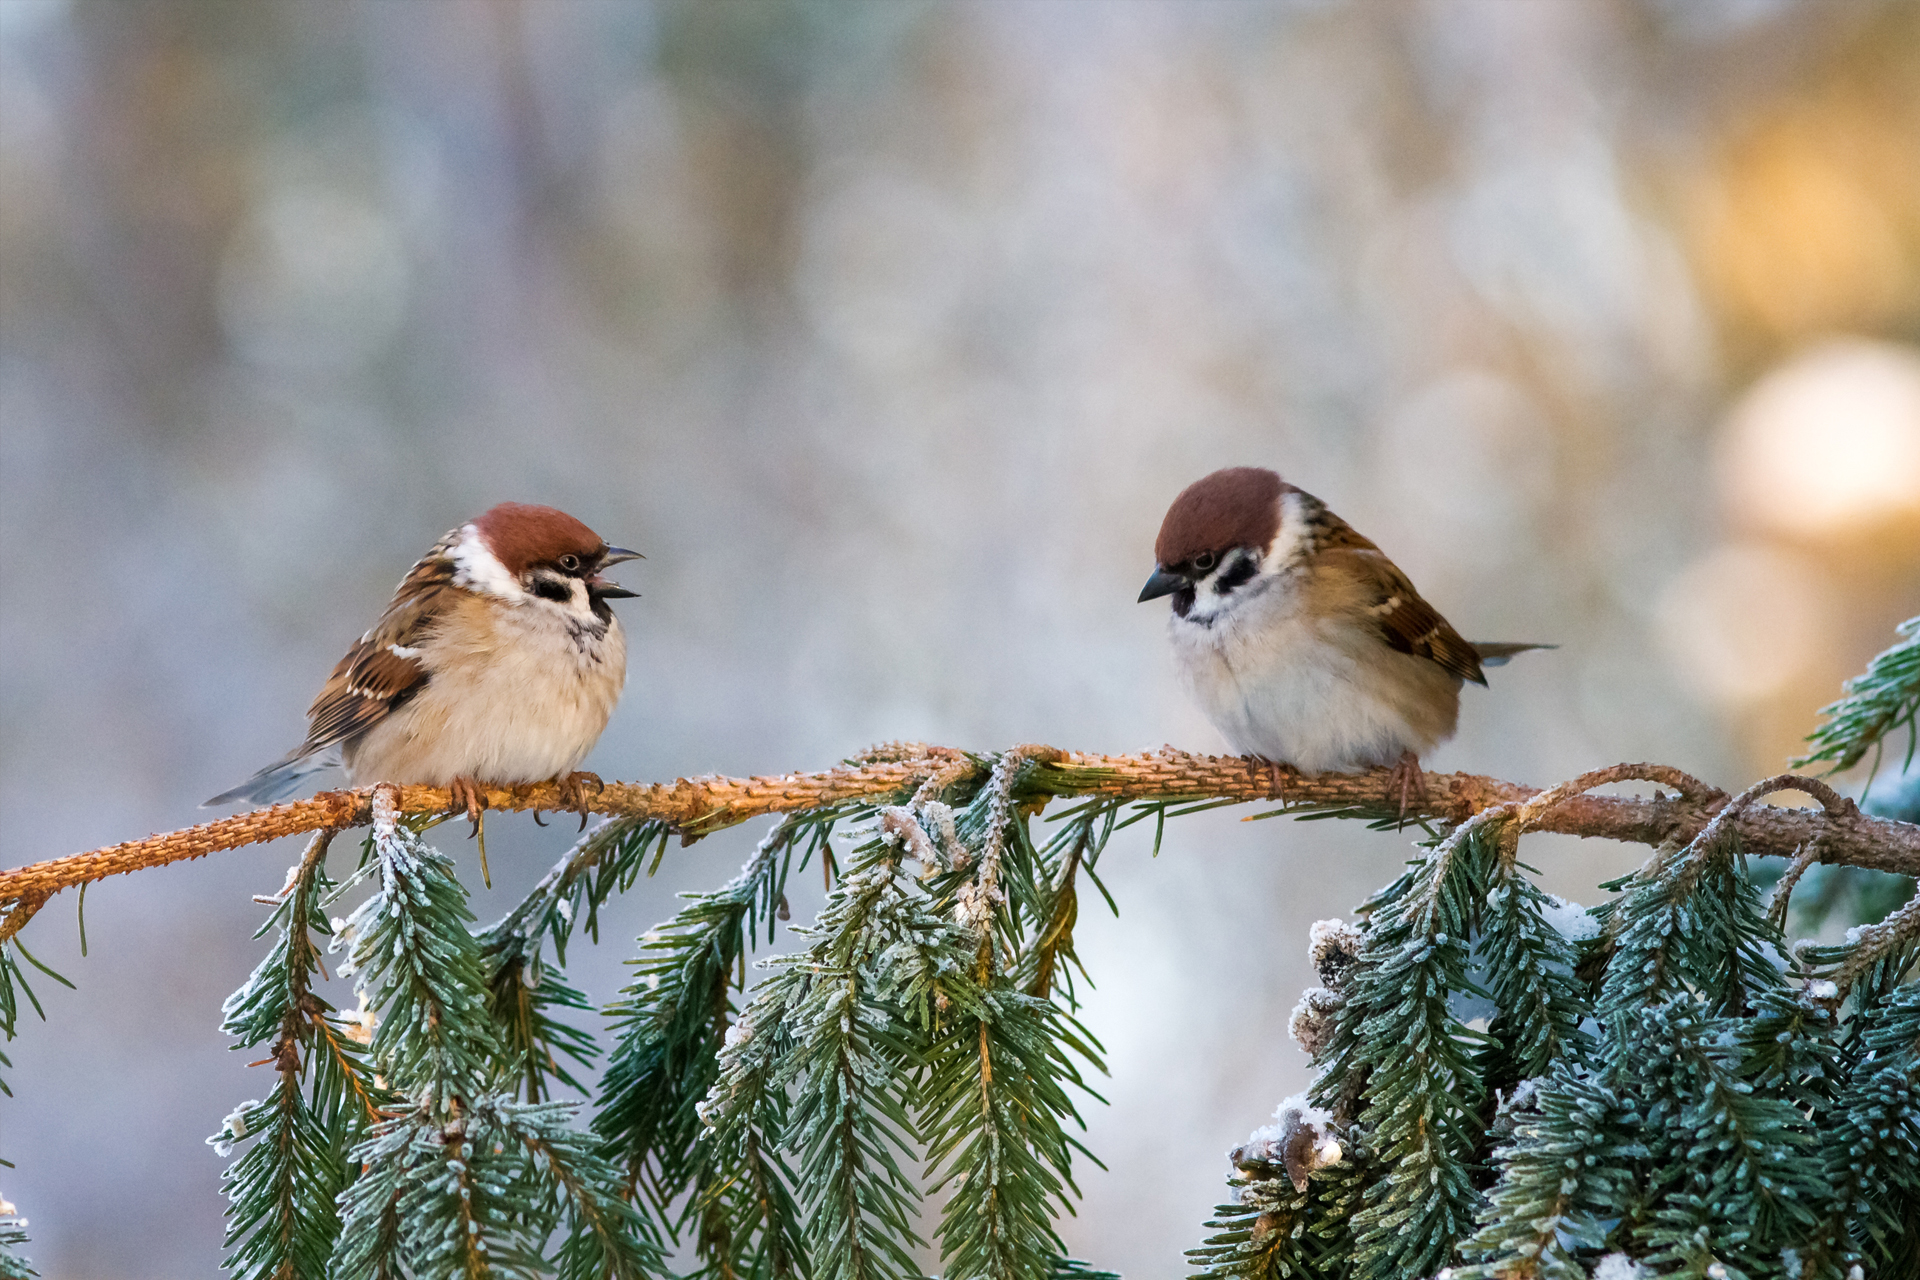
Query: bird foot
{"x": 574, "y": 790}
{"x": 471, "y": 796}
{"x": 1405, "y": 777}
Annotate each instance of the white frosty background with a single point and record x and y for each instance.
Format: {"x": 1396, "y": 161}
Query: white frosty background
{"x": 887, "y": 331}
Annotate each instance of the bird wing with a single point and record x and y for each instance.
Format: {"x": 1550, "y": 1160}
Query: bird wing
{"x": 383, "y": 668}
{"x": 1405, "y": 621}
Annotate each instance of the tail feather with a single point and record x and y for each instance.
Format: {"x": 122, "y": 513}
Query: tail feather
{"x": 278, "y": 780}
{"x": 1495, "y": 653}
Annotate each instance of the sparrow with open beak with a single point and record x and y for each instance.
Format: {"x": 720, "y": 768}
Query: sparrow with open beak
{"x": 498, "y": 662}
{"x": 1299, "y": 639}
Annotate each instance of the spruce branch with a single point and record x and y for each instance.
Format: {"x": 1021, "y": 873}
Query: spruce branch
{"x": 17, "y": 909}
{"x": 1738, "y": 1112}
{"x": 752, "y": 1224}
{"x": 281, "y": 1216}
{"x": 698, "y": 807}
{"x": 606, "y": 860}
{"x": 13, "y": 1231}
{"x": 850, "y": 1120}
{"x": 1730, "y": 1175}
{"x": 525, "y": 993}
{"x": 1075, "y": 1269}
{"x": 1530, "y": 976}
{"x": 411, "y": 950}
{"x": 1876, "y": 703}
{"x": 462, "y": 1179}
{"x": 604, "y": 1236}
{"x": 1692, "y": 920}
{"x": 674, "y": 1017}
{"x": 1074, "y": 849}
{"x": 995, "y": 1108}
{"x": 1562, "y": 1173}
{"x": 1295, "y": 1188}
{"x": 1888, "y": 946}
{"x": 1872, "y": 1146}
{"x": 1412, "y": 1060}
{"x": 12, "y": 983}
{"x": 821, "y": 1064}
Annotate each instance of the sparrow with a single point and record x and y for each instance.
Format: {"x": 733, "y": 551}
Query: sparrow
{"x": 498, "y": 662}
{"x": 1299, "y": 639}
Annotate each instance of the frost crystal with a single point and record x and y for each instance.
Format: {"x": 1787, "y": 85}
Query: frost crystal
{"x": 941, "y": 816}
{"x": 1332, "y": 947}
{"x": 1618, "y": 1266}
{"x": 232, "y": 1129}
{"x": 1300, "y": 1140}
{"x": 1313, "y": 1020}
{"x": 359, "y": 1023}
{"x": 1571, "y": 920}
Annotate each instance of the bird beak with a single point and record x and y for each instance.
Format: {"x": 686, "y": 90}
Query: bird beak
{"x": 612, "y": 590}
{"x": 609, "y": 590}
{"x": 1162, "y": 583}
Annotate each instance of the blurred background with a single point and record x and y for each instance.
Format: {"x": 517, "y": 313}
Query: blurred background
{"x": 887, "y": 332}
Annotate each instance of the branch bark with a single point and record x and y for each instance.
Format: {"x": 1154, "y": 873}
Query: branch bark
{"x": 699, "y": 806}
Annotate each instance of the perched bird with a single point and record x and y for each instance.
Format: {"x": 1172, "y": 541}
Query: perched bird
{"x": 1299, "y": 639}
{"x": 498, "y": 662}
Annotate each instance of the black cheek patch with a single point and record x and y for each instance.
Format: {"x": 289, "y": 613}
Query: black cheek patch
{"x": 548, "y": 589}
{"x": 1241, "y": 572}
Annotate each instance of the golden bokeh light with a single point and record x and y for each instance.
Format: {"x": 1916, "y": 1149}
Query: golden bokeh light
{"x": 1828, "y": 444}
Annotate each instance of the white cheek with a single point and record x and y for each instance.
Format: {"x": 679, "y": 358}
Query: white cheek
{"x": 1207, "y": 603}
{"x": 581, "y": 604}
{"x": 577, "y": 607}
{"x": 478, "y": 569}
{"x": 1290, "y": 543}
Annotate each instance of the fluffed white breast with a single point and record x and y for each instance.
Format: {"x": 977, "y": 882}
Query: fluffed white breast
{"x": 516, "y": 693}
{"x": 1316, "y": 692}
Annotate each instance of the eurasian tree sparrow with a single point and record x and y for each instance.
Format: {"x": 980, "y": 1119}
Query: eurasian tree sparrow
{"x": 1299, "y": 639}
{"x": 498, "y": 662}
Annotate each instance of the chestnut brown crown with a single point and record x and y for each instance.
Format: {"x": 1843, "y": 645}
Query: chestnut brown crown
{"x": 1234, "y": 507}
{"x": 523, "y": 534}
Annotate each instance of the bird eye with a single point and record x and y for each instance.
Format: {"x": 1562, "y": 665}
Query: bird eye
{"x": 1205, "y": 561}
{"x": 570, "y": 562}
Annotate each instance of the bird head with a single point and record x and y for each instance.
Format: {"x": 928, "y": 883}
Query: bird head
{"x": 519, "y": 550}
{"x": 1215, "y": 539}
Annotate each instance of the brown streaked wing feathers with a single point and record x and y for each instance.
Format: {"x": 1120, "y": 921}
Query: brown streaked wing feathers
{"x": 1407, "y": 622}
{"x": 372, "y": 679}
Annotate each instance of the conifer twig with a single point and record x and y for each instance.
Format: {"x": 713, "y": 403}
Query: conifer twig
{"x": 698, "y": 806}
{"x": 1789, "y": 880}
{"x": 1875, "y": 941}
